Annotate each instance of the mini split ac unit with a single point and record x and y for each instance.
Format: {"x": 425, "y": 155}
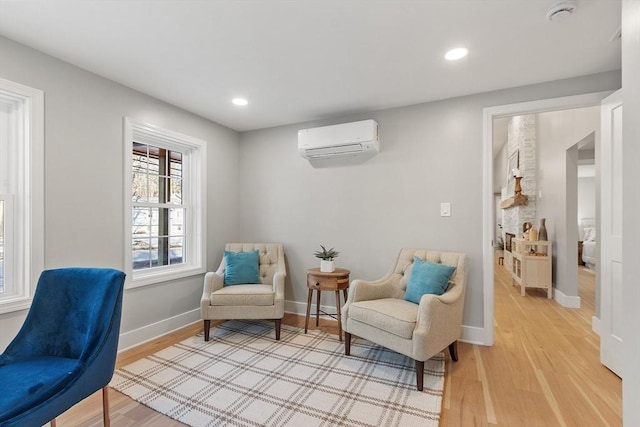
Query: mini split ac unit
{"x": 356, "y": 139}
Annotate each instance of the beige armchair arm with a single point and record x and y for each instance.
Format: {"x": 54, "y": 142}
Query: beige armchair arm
{"x": 439, "y": 321}
{"x": 278, "y": 284}
{"x": 212, "y": 282}
{"x": 362, "y": 290}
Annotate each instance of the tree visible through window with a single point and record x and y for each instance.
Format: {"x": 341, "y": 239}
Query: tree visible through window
{"x": 158, "y": 214}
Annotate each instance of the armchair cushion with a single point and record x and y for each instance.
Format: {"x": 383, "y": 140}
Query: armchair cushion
{"x": 392, "y": 315}
{"x": 28, "y": 383}
{"x": 251, "y": 295}
{"x": 427, "y": 278}
{"x": 241, "y": 267}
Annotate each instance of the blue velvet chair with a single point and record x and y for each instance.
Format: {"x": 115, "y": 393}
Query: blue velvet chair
{"x": 66, "y": 348}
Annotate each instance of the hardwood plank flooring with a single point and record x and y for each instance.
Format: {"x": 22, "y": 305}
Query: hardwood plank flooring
{"x": 543, "y": 369}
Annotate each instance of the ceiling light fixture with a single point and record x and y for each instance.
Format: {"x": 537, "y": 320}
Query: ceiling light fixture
{"x": 241, "y": 102}
{"x": 455, "y": 54}
{"x": 560, "y": 10}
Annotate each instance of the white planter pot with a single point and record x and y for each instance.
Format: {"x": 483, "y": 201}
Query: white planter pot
{"x": 327, "y": 266}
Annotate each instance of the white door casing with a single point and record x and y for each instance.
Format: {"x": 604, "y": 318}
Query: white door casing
{"x": 611, "y": 350}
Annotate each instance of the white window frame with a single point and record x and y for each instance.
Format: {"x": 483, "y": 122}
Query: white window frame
{"x": 194, "y": 191}
{"x": 22, "y": 189}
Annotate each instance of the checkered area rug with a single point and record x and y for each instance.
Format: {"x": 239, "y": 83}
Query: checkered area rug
{"x": 243, "y": 377}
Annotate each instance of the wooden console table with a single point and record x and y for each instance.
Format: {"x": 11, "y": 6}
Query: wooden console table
{"x": 335, "y": 281}
{"x": 531, "y": 266}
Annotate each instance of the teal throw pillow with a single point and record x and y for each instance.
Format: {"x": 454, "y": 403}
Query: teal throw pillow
{"x": 241, "y": 268}
{"x": 427, "y": 278}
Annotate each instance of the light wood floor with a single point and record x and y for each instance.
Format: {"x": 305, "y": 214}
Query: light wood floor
{"x": 543, "y": 369}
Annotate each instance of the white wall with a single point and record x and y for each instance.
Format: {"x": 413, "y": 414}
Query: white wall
{"x": 558, "y": 132}
{"x": 587, "y": 197}
{"x": 430, "y": 153}
{"x": 84, "y": 183}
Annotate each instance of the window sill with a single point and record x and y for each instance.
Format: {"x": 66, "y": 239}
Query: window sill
{"x": 159, "y": 275}
{"x": 15, "y": 304}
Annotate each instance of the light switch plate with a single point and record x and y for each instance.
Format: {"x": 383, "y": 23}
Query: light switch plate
{"x": 445, "y": 209}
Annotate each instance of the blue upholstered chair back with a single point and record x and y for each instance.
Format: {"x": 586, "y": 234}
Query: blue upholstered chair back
{"x": 74, "y": 320}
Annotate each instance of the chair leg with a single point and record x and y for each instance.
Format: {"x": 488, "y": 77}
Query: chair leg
{"x": 347, "y": 343}
{"x": 419, "y": 374}
{"x": 105, "y": 406}
{"x": 207, "y": 326}
{"x": 278, "y": 324}
{"x": 453, "y": 351}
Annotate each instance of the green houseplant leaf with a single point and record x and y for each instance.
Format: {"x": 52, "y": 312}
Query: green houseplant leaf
{"x": 326, "y": 254}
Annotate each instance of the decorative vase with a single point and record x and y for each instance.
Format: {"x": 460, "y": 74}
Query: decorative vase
{"x": 327, "y": 266}
{"x": 542, "y": 232}
{"x": 518, "y": 188}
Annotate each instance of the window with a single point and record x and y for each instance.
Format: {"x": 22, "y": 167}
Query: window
{"x": 165, "y": 187}
{"x": 21, "y": 193}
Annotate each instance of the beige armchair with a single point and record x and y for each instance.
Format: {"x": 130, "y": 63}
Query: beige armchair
{"x": 247, "y": 301}
{"x": 376, "y": 311}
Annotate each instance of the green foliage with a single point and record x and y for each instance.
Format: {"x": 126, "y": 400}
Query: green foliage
{"x": 326, "y": 254}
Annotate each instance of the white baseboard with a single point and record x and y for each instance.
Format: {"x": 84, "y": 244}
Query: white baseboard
{"x": 595, "y": 325}
{"x": 150, "y": 332}
{"x": 566, "y": 300}
{"x": 473, "y": 335}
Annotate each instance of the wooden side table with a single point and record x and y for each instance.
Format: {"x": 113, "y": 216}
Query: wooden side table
{"x": 336, "y": 281}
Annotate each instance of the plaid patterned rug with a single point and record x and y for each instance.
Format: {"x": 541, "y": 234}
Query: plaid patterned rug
{"x": 243, "y": 377}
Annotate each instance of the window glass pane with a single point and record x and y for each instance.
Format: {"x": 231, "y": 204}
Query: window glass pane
{"x": 176, "y": 191}
{"x": 139, "y": 187}
{"x": 141, "y": 217}
{"x": 175, "y": 165}
{"x": 157, "y": 178}
{"x": 153, "y": 195}
{"x": 176, "y": 222}
{"x": 153, "y": 252}
{"x": 141, "y": 255}
{"x": 176, "y": 250}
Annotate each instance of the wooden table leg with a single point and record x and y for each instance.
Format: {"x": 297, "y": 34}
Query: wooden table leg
{"x": 339, "y": 316}
{"x": 346, "y": 295}
{"x": 306, "y": 319}
{"x": 318, "y": 308}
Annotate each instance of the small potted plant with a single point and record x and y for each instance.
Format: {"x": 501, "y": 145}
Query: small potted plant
{"x": 327, "y": 256}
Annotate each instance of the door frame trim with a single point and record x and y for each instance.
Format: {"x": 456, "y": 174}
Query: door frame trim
{"x": 530, "y": 107}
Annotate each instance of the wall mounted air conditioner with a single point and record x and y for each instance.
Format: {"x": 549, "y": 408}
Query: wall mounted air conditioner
{"x": 356, "y": 139}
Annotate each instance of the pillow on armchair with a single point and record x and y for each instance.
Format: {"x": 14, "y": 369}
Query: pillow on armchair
{"x": 427, "y": 278}
{"x": 241, "y": 268}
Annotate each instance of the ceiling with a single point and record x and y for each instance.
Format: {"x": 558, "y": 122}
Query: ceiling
{"x": 297, "y": 61}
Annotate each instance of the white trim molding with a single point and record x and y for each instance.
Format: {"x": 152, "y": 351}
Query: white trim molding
{"x": 595, "y": 325}
{"x": 566, "y": 300}
{"x": 575, "y": 101}
{"x": 144, "y": 334}
{"x": 22, "y": 183}
{"x": 194, "y": 191}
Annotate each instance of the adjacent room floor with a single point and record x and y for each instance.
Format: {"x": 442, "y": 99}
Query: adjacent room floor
{"x": 544, "y": 369}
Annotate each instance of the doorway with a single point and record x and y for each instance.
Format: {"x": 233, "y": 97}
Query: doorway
{"x": 560, "y": 231}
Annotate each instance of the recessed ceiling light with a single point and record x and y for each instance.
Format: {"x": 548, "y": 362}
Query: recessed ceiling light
{"x": 239, "y": 101}
{"x": 455, "y": 54}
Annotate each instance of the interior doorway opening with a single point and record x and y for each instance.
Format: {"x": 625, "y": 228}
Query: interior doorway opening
{"x": 550, "y": 176}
